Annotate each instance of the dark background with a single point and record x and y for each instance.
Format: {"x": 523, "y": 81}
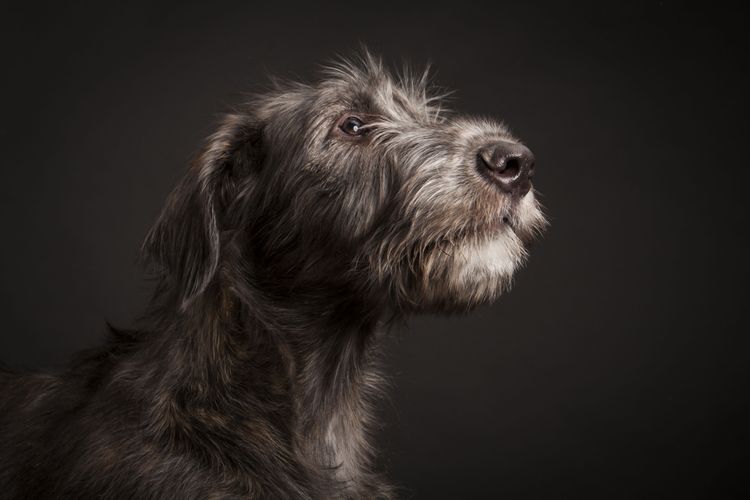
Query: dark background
{"x": 617, "y": 367}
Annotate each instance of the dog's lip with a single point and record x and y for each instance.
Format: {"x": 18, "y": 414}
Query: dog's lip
{"x": 506, "y": 221}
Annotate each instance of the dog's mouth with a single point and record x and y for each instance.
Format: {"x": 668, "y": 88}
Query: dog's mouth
{"x": 523, "y": 218}
{"x": 507, "y": 221}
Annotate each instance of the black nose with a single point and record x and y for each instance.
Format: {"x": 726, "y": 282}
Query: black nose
{"x": 509, "y": 165}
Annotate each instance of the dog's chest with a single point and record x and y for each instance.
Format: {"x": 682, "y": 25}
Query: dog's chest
{"x": 346, "y": 448}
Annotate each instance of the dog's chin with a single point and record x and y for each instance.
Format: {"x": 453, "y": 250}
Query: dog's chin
{"x": 482, "y": 267}
{"x": 476, "y": 272}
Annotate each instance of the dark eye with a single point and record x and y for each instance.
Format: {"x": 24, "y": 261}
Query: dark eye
{"x": 352, "y": 125}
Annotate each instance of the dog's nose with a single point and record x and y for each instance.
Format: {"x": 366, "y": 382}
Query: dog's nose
{"x": 510, "y": 165}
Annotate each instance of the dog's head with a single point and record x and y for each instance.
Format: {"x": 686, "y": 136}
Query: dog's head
{"x": 361, "y": 185}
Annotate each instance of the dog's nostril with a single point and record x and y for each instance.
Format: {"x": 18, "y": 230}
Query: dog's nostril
{"x": 511, "y": 168}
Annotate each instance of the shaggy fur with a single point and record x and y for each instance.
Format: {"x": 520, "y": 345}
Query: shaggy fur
{"x": 281, "y": 255}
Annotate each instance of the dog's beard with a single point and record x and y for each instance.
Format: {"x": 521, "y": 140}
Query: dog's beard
{"x": 480, "y": 268}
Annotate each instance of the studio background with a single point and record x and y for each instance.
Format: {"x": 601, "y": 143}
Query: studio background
{"x": 618, "y": 365}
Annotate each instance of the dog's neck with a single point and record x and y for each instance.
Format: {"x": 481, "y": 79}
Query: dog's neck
{"x": 330, "y": 353}
{"x": 318, "y": 366}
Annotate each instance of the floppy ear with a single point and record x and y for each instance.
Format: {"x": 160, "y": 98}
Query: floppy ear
{"x": 185, "y": 241}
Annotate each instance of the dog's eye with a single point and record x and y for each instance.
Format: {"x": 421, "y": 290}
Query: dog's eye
{"x": 351, "y": 125}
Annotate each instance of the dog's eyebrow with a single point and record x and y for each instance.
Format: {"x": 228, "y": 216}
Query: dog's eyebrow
{"x": 364, "y": 103}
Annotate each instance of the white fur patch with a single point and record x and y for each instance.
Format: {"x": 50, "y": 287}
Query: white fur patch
{"x": 496, "y": 257}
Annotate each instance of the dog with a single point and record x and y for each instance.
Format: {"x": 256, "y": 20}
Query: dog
{"x": 314, "y": 217}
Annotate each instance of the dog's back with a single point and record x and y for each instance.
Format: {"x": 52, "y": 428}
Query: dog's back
{"x": 79, "y": 434}
{"x": 20, "y": 394}
{"x": 30, "y": 407}
{"x": 45, "y": 423}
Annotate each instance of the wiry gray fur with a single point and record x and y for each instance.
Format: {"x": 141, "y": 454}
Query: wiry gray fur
{"x": 281, "y": 255}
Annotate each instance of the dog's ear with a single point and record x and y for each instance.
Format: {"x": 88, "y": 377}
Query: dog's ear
{"x": 185, "y": 241}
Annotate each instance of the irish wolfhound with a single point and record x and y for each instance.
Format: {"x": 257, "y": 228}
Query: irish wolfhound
{"x": 314, "y": 215}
